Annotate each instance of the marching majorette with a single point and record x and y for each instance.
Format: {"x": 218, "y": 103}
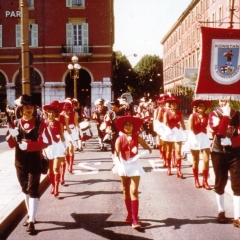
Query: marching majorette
{"x": 127, "y": 165}
{"x": 69, "y": 120}
{"x": 225, "y": 155}
{"x": 98, "y": 115}
{"x": 174, "y": 133}
{"x": 29, "y": 136}
{"x": 56, "y": 151}
{"x": 198, "y": 140}
{"x": 159, "y": 125}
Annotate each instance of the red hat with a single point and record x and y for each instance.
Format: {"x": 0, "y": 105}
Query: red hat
{"x": 137, "y": 123}
{"x": 207, "y": 103}
{"x": 55, "y": 105}
{"x": 173, "y": 98}
{"x": 67, "y": 106}
{"x": 163, "y": 98}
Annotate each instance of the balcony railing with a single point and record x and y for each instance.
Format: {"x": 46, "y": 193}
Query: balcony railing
{"x": 80, "y": 50}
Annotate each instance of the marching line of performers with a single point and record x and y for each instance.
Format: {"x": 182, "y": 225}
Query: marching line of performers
{"x": 153, "y": 124}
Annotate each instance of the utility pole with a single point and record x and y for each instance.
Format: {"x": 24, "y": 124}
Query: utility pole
{"x": 25, "y": 47}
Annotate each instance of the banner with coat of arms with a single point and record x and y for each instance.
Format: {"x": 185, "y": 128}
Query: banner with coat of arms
{"x": 219, "y": 72}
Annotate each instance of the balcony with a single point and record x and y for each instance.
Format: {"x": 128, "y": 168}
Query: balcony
{"x": 78, "y": 50}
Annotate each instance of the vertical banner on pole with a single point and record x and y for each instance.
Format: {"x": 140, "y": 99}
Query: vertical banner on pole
{"x": 219, "y": 72}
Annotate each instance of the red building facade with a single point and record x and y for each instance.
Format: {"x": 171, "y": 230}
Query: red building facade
{"x": 58, "y": 31}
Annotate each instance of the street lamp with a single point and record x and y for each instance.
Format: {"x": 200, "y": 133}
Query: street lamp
{"x": 74, "y": 73}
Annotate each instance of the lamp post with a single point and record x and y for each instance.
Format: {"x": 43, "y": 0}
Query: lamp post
{"x": 74, "y": 73}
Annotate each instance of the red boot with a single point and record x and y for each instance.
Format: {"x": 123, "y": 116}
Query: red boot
{"x": 128, "y": 204}
{"x": 169, "y": 166}
{"x": 174, "y": 164}
{"x": 135, "y": 205}
{"x": 51, "y": 178}
{"x": 179, "y": 164}
{"x": 71, "y": 159}
{"x": 164, "y": 158}
{"x": 57, "y": 180}
{"x": 63, "y": 168}
{"x": 195, "y": 174}
{"x": 205, "y": 177}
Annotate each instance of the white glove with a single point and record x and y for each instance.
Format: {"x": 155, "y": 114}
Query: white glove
{"x": 226, "y": 110}
{"x": 14, "y": 132}
{"x": 23, "y": 146}
{"x": 135, "y": 158}
{"x": 226, "y": 141}
{"x": 215, "y": 121}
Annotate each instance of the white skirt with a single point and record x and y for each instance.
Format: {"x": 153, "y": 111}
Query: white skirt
{"x": 198, "y": 142}
{"x": 158, "y": 127}
{"x": 74, "y": 130}
{"x": 55, "y": 150}
{"x": 173, "y": 135}
{"x": 124, "y": 168}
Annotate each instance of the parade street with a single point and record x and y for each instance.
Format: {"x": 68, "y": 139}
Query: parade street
{"x": 90, "y": 205}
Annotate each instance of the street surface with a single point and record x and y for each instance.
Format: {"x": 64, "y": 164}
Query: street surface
{"x": 90, "y": 205}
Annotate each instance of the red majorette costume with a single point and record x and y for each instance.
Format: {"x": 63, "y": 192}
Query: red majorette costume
{"x": 127, "y": 162}
{"x": 159, "y": 125}
{"x": 29, "y": 136}
{"x": 198, "y": 140}
{"x": 57, "y": 148}
{"x": 174, "y": 132}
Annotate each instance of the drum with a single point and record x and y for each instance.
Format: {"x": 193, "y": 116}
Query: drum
{"x": 85, "y": 132}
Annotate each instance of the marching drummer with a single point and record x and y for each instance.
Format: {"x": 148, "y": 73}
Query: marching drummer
{"x": 98, "y": 115}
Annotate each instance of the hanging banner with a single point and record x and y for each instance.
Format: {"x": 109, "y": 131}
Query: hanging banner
{"x": 219, "y": 72}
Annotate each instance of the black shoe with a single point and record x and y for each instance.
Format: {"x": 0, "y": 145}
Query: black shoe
{"x": 77, "y": 149}
{"x": 221, "y": 218}
{"x": 31, "y": 228}
{"x": 80, "y": 149}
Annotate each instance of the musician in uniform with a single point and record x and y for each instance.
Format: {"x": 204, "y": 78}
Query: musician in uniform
{"x": 98, "y": 115}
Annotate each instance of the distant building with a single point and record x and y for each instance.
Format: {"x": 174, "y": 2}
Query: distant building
{"x": 182, "y": 42}
{"x": 58, "y": 30}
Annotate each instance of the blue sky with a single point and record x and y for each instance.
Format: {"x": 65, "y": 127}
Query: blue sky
{"x": 140, "y": 25}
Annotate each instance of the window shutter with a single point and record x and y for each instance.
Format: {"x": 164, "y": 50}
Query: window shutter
{"x": 34, "y": 35}
{"x": 0, "y": 35}
{"x": 18, "y": 35}
{"x": 69, "y": 3}
{"x": 85, "y": 37}
{"x": 69, "y": 37}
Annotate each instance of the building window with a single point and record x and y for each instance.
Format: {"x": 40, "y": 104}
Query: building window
{"x": 75, "y": 3}
{"x": 220, "y": 15}
{"x": 33, "y": 35}
{"x": 30, "y": 3}
{"x": 0, "y": 35}
{"x": 213, "y": 20}
{"x": 77, "y": 38}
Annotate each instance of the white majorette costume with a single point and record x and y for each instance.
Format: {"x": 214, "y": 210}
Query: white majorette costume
{"x": 56, "y": 151}
{"x": 128, "y": 166}
{"x": 29, "y": 136}
{"x": 198, "y": 140}
{"x": 174, "y": 133}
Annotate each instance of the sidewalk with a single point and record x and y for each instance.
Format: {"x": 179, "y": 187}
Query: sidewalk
{"x": 12, "y": 207}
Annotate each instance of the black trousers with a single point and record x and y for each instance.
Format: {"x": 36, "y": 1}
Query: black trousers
{"x": 222, "y": 164}
{"x": 29, "y": 181}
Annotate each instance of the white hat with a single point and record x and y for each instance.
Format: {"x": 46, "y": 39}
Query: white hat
{"x": 99, "y": 101}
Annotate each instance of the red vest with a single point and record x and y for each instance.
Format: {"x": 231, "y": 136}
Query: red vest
{"x": 127, "y": 146}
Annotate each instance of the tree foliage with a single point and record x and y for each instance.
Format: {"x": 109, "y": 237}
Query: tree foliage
{"x": 149, "y": 72}
{"x": 144, "y": 80}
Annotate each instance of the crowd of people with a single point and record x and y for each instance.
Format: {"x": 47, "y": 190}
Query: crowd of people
{"x": 60, "y": 129}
